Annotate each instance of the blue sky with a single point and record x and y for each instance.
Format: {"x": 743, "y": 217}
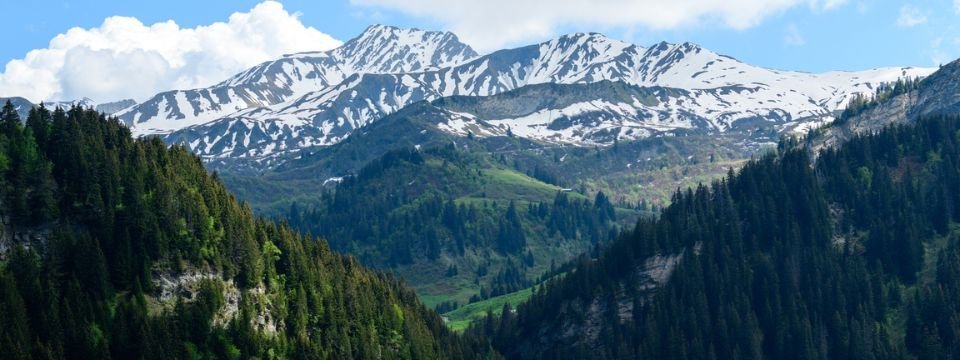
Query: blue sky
{"x": 806, "y": 35}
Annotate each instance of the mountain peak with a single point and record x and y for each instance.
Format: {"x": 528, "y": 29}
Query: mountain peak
{"x": 591, "y": 47}
{"x": 667, "y": 47}
{"x": 586, "y": 38}
{"x": 390, "y": 49}
{"x": 386, "y": 34}
{"x": 379, "y": 29}
{"x": 583, "y": 35}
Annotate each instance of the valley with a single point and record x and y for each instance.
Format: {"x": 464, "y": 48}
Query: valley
{"x": 406, "y": 148}
{"x": 403, "y": 195}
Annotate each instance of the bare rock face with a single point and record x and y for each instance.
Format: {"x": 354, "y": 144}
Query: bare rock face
{"x": 6, "y": 237}
{"x": 185, "y": 286}
{"x": 897, "y": 110}
{"x": 30, "y": 238}
{"x": 940, "y": 92}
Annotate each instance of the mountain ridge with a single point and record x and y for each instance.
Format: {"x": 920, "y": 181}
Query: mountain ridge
{"x": 24, "y": 105}
{"x": 273, "y": 82}
{"x": 295, "y": 111}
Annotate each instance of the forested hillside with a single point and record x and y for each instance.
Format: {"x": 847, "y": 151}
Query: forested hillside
{"x": 458, "y": 226}
{"x": 855, "y": 257}
{"x": 112, "y": 247}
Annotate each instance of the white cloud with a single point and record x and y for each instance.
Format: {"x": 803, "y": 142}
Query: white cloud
{"x": 911, "y": 16}
{"x": 123, "y": 58}
{"x": 793, "y": 37}
{"x": 489, "y": 24}
{"x": 956, "y": 6}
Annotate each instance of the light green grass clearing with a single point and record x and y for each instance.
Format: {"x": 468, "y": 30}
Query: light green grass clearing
{"x": 459, "y": 319}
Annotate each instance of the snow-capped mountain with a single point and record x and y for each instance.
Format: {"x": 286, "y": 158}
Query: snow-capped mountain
{"x": 319, "y": 99}
{"x": 23, "y": 105}
{"x": 379, "y": 49}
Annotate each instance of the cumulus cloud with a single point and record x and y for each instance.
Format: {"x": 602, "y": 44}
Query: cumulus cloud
{"x": 123, "y": 58}
{"x": 911, "y": 16}
{"x": 489, "y": 24}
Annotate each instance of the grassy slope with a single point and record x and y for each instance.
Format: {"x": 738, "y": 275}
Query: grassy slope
{"x": 462, "y": 317}
{"x": 658, "y": 185}
{"x": 459, "y": 319}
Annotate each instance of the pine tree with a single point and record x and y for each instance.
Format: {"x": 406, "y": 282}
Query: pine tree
{"x": 9, "y": 120}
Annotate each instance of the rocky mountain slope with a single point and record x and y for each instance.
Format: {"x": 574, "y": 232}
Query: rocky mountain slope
{"x": 938, "y": 93}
